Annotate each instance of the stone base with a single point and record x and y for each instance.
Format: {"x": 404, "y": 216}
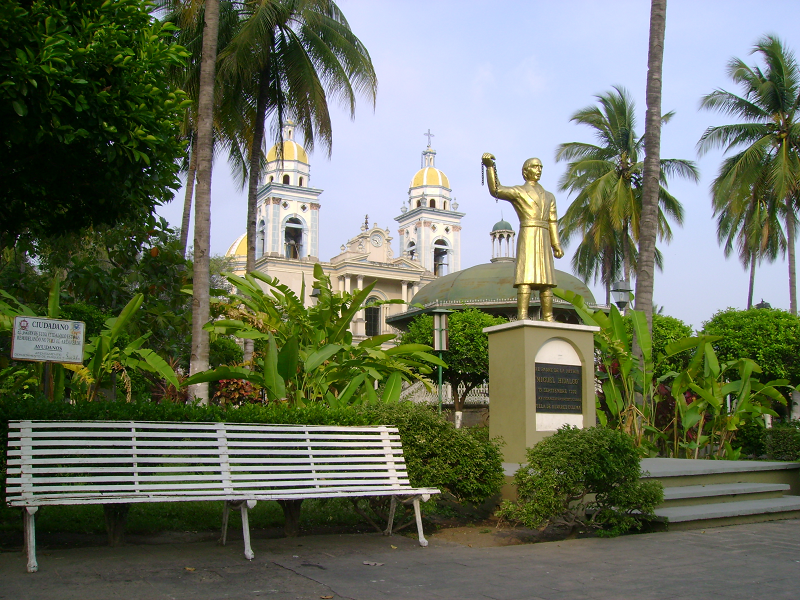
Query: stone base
{"x": 514, "y": 349}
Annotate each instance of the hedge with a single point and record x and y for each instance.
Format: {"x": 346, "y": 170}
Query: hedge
{"x": 437, "y": 455}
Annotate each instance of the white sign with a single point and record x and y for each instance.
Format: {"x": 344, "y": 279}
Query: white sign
{"x": 42, "y": 340}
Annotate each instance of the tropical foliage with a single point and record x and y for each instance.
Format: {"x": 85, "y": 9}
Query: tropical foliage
{"x": 309, "y": 354}
{"x": 607, "y": 180}
{"x": 677, "y": 414}
{"x": 88, "y": 121}
{"x": 468, "y": 356}
{"x": 583, "y": 477}
{"x": 762, "y": 175}
{"x": 770, "y": 337}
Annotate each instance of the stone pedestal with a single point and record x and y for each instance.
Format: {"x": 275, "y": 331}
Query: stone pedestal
{"x": 541, "y": 376}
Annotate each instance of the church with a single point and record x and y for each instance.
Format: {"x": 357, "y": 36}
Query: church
{"x": 429, "y": 249}
{"x": 288, "y": 234}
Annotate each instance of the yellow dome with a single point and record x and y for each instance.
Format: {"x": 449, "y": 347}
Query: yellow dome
{"x": 239, "y": 247}
{"x": 291, "y": 151}
{"x": 430, "y": 176}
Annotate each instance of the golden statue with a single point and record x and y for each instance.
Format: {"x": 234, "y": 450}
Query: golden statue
{"x": 538, "y": 241}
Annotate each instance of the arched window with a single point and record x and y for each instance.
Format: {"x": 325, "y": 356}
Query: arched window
{"x": 432, "y": 203}
{"x": 271, "y": 179}
{"x": 419, "y": 203}
{"x": 372, "y": 318}
{"x": 260, "y": 241}
{"x": 285, "y": 180}
{"x": 411, "y": 250}
{"x": 301, "y": 182}
{"x": 293, "y": 238}
{"x": 444, "y": 205}
{"x": 440, "y": 258}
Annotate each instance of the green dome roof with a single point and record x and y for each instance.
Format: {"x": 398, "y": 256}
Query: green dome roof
{"x": 502, "y": 226}
{"x": 490, "y": 281}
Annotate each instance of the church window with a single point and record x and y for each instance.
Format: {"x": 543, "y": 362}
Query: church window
{"x": 285, "y": 180}
{"x": 293, "y": 238}
{"x": 260, "y": 239}
{"x": 440, "y": 253}
{"x": 271, "y": 179}
{"x": 444, "y": 205}
{"x": 419, "y": 203}
{"x": 433, "y": 203}
{"x": 411, "y": 250}
{"x": 372, "y": 318}
{"x": 301, "y": 182}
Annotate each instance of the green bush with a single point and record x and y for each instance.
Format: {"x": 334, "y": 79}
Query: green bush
{"x": 770, "y": 337}
{"x": 587, "y": 477}
{"x": 783, "y": 441}
{"x": 751, "y": 439}
{"x": 437, "y": 455}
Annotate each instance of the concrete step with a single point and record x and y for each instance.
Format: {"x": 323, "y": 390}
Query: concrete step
{"x": 673, "y": 472}
{"x": 728, "y": 513}
{"x": 689, "y": 495}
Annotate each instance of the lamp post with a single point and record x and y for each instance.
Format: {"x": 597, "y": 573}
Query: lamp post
{"x": 441, "y": 342}
{"x": 621, "y": 290}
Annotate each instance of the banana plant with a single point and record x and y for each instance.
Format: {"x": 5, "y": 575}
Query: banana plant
{"x": 309, "y": 351}
{"x": 105, "y": 357}
{"x": 627, "y": 380}
{"x": 718, "y": 398}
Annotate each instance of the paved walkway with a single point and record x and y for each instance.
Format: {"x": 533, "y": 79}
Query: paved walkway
{"x": 744, "y": 561}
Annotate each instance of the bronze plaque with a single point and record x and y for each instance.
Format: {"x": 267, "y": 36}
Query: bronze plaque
{"x": 559, "y": 388}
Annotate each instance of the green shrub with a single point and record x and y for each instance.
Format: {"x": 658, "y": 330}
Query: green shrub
{"x": 751, "y": 439}
{"x": 437, "y": 455}
{"x": 783, "y": 441}
{"x": 587, "y": 477}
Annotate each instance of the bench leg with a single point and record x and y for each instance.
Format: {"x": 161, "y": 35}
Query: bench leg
{"x": 30, "y": 537}
{"x": 248, "y": 551}
{"x": 392, "y": 507}
{"x": 226, "y": 509}
{"x": 422, "y": 541}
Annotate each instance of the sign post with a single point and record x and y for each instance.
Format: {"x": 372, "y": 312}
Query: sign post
{"x": 39, "y": 339}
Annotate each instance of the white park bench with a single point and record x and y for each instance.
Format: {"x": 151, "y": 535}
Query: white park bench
{"x": 116, "y": 462}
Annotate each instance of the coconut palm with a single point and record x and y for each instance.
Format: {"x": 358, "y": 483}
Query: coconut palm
{"x": 749, "y": 218}
{"x": 653, "y": 168}
{"x": 607, "y": 178}
{"x": 288, "y": 57}
{"x": 767, "y": 140}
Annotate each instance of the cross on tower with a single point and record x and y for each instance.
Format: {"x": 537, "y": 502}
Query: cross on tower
{"x": 430, "y": 135}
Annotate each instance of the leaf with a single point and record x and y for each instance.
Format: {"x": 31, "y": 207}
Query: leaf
{"x": 394, "y": 384}
{"x": 19, "y": 108}
{"x": 225, "y": 372}
{"x": 288, "y": 358}
{"x": 272, "y": 379}
{"x": 53, "y": 309}
{"x": 159, "y": 365}
{"x": 320, "y": 356}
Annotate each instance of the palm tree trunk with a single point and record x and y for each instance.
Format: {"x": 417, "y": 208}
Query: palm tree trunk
{"x": 252, "y": 184}
{"x": 202, "y": 214}
{"x": 648, "y": 228}
{"x": 752, "y": 282}
{"x": 790, "y": 235}
{"x": 187, "y": 200}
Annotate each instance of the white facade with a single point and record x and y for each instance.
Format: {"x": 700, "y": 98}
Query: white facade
{"x": 288, "y": 230}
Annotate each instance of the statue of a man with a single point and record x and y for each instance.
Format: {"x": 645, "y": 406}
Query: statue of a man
{"x": 538, "y": 241}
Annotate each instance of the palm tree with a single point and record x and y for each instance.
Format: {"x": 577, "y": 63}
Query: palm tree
{"x": 607, "y": 179}
{"x": 750, "y": 219}
{"x": 653, "y": 166}
{"x": 202, "y": 223}
{"x": 769, "y": 136}
{"x": 288, "y": 57}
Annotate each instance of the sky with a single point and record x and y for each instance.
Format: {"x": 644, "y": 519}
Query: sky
{"x": 505, "y": 77}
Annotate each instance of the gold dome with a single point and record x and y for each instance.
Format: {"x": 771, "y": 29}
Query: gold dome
{"x": 430, "y": 176}
{"x": 239, "y": 247}
{"x": 291, "y": 151}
